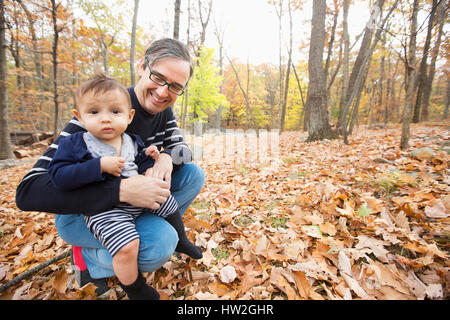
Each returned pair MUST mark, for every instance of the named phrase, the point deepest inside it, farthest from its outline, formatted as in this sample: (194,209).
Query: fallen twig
(32,271)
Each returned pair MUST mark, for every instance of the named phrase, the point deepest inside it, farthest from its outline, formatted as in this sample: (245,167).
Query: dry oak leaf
(279,281)
(437,211)
(348,211)
(377,247)
(344,266)
(60,282)
(328,228)
(313,269)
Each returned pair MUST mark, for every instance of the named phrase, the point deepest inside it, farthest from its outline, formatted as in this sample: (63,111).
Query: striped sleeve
(172,135)
(174,144)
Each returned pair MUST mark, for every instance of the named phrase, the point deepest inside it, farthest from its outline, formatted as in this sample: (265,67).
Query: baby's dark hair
(100,83)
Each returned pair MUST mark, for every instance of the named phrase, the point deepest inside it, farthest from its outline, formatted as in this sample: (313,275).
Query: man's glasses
(172,87)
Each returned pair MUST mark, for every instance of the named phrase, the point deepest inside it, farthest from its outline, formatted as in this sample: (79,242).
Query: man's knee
(153,254)
(64,226)
(197,175)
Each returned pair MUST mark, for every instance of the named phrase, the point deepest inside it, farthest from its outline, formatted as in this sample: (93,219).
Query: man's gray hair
(168,48)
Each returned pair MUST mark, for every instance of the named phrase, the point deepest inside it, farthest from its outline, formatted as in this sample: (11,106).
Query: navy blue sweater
(36,191)
(73,166)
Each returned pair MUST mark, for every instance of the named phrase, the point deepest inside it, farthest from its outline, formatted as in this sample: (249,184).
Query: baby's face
(106,114)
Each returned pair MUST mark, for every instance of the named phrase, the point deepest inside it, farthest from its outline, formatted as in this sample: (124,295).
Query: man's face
(153,97)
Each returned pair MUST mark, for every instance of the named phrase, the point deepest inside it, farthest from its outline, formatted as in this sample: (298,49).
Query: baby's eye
(93,112)
(116,111)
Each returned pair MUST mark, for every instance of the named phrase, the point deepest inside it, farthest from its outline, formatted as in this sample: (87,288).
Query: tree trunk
(203,22)
(176,20)
(133,43)
(104,49)
(55,67)
(332,37)
(288,71)
(357,82)
(319,127)
(423,69)
(410,72)
(447,100)
(442,9)
(381,82)
(220,33)
(356,73)
(186,90)
(5,140)
(354,113)
(363,52)
(280,56)
(346,60)
(301,94)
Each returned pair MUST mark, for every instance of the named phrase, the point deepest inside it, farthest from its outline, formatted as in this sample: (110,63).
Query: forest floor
(321,220)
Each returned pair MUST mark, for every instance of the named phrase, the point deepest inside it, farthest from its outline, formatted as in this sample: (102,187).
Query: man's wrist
(166,155)
(123,190)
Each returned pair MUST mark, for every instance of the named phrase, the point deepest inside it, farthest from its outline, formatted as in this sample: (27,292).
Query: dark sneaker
(82,276)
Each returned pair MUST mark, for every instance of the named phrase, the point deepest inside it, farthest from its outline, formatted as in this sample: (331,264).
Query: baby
(103,106)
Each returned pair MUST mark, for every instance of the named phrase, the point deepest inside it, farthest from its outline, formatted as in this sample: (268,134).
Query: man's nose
(163,91)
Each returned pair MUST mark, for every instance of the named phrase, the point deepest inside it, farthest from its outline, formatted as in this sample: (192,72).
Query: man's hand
(112,165)
(162,169)
(144,191)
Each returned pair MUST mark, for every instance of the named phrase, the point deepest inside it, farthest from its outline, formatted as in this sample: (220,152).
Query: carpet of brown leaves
(321,220)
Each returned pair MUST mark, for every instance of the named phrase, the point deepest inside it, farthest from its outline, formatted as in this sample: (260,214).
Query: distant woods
(396,70)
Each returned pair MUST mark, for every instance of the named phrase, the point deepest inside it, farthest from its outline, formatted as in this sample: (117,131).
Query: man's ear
(141,67)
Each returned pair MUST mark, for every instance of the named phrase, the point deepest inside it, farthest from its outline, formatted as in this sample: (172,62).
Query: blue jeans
(158,239)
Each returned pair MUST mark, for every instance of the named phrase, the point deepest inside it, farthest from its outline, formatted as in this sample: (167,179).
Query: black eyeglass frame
(163,82)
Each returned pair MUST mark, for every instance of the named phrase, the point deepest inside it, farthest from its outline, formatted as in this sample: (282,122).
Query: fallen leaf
(3,270)
(218,288)
(377,247)
(437,211)
(434,291)
(303,286)
(22,293)
(347,211)
(328,228)
(355,287)
(60,282)
(205,296)
(363,211)
(294,248)
(312,231)
(278,280)
(261,246)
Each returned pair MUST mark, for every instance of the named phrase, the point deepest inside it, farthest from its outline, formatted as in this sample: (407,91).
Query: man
(164,72)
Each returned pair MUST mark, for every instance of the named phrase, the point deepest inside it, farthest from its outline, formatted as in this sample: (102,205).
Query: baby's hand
(153,152)
(112,165)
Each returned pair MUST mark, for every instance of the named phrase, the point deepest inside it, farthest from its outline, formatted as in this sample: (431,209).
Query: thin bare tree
(176,20)
(133,43)
(5,139)
(410,67)
(319,127)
